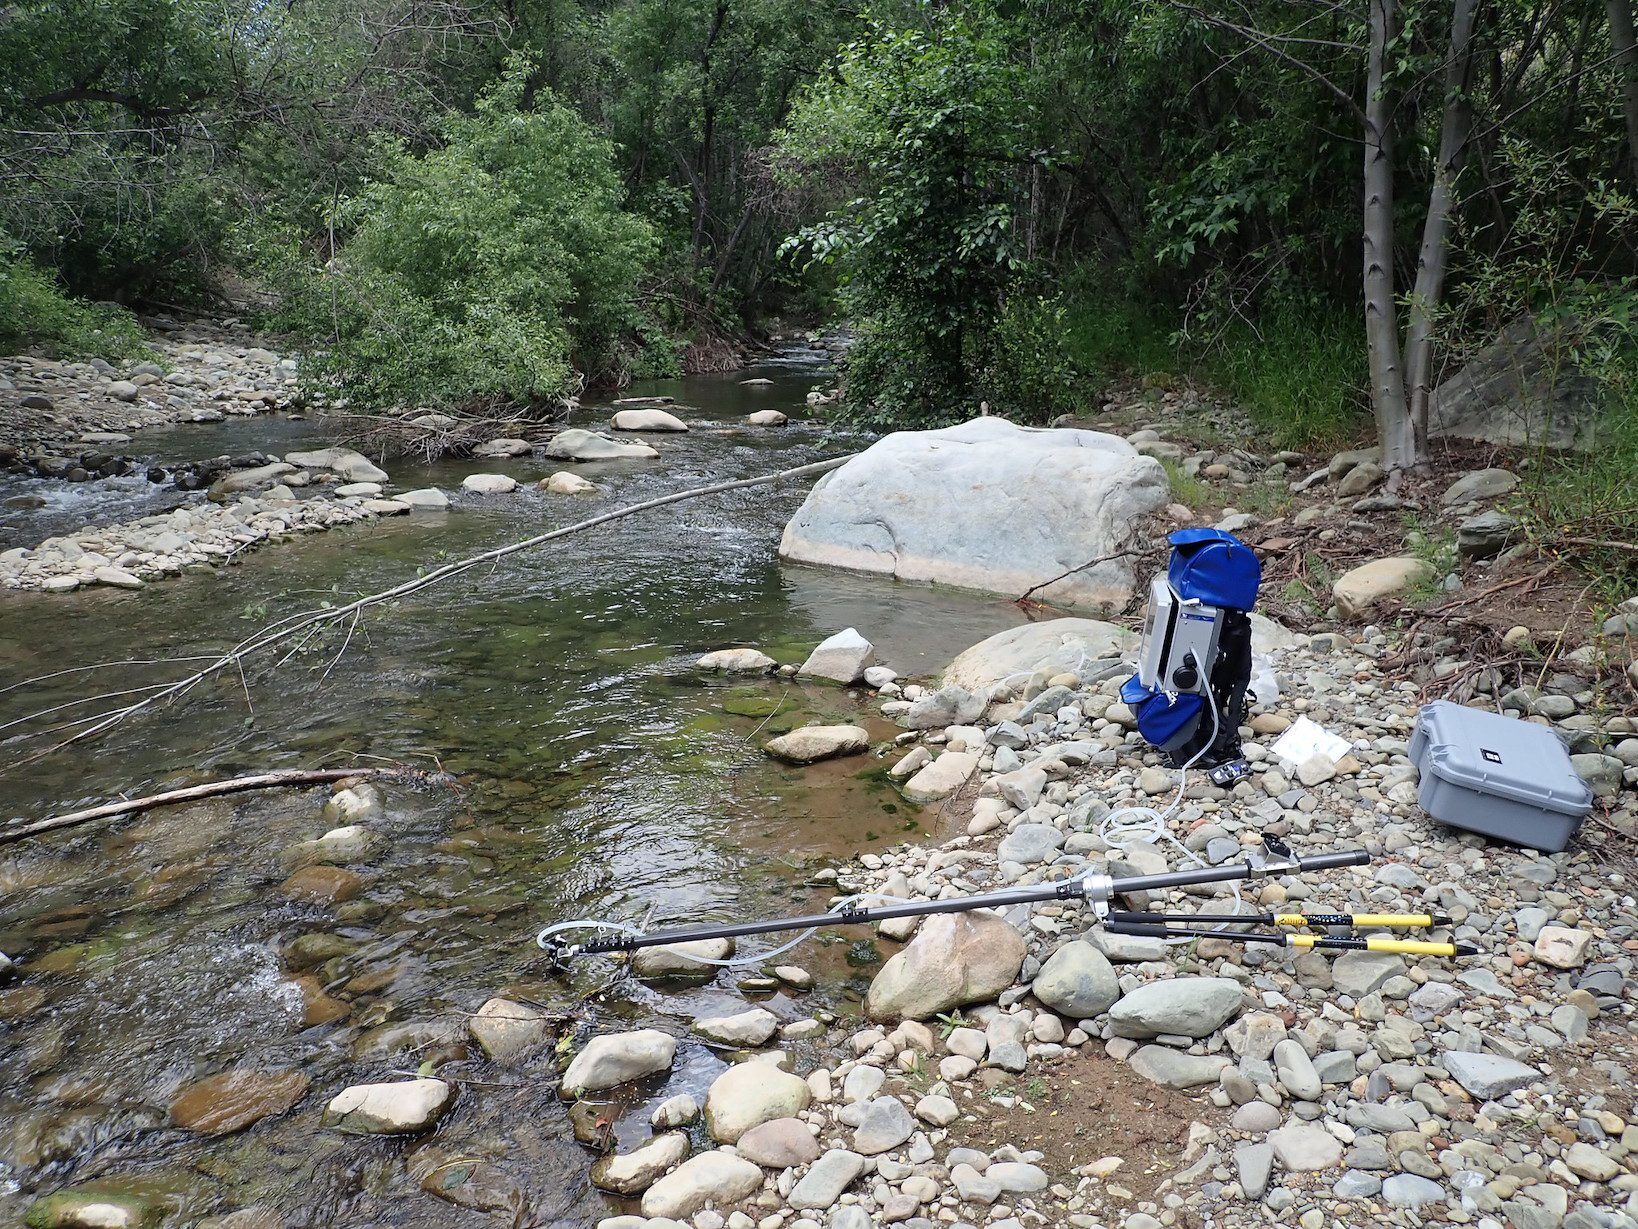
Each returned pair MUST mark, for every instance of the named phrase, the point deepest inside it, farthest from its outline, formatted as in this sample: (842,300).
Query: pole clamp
(1274,858)
(1097,891)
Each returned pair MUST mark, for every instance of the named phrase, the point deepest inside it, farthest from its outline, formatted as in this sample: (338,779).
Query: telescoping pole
(1097,889)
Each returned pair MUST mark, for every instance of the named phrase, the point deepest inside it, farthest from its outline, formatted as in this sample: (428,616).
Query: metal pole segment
(1062,889)
(1093,887)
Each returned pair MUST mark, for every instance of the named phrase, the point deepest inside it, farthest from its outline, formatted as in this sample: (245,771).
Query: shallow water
(597,774)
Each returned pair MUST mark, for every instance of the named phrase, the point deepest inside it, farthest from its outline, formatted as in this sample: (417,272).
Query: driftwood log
(282,779)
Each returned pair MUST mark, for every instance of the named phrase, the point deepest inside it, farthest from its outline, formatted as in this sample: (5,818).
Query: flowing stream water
(597,773)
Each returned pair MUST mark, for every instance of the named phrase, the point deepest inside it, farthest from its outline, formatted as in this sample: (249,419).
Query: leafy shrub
(35,312)
(1029,376)
(493,268)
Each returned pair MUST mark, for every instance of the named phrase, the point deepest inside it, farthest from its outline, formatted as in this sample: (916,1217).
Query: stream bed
(596,773)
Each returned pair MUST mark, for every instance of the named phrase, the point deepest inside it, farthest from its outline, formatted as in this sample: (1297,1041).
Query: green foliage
(490,269)
(1298,374)
(35,312)
(927,120)
(1027,374)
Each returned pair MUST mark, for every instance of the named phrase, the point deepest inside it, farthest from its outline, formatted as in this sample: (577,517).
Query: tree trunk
(1626,59)
(1393,421)
(1454,129)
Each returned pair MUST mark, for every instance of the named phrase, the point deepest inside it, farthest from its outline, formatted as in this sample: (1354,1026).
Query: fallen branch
(1090,563)
(281,779)
(312,620)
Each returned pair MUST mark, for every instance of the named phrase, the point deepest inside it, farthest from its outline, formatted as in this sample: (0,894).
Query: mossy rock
(751,706)
(83,1208)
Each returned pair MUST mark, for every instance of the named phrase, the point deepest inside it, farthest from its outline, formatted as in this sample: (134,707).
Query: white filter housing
(1179,645)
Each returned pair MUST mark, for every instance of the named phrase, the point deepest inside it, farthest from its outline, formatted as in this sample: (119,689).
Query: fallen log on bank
(281,779)
(307,623)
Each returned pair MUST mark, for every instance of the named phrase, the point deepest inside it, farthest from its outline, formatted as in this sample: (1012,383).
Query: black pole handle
(1330,861)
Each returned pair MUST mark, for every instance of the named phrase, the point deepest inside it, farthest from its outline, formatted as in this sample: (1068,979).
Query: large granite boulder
(1057,646)
(1524,388)
(986,505)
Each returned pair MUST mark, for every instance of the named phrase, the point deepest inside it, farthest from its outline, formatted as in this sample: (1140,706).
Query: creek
(597,773)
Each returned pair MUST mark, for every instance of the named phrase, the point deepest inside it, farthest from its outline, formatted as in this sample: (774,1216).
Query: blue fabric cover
(1214,567)
(1160,717)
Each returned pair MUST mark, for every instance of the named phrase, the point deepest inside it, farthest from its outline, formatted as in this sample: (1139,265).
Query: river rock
(884,1124)
(1030,844)
(1486,534)
(767,418)
(675,961)
(737,661)
(348,843)
(506,1030)
(1526,387)
(949,705)
(1562,947)
(710,1178)
(1378,583)
(403,1107)
(565,483)
(1177,1068)
(489,484)
(1057,646)
(618,1058)
(1305,1147)
(93,1206)
(1362,973)
(502,448)
(942,777)
(1077,981)
(241,480)
(749,1094)
(842,658)
(748,1028)
(576,444)
(823,1184)
(955,959)
(1488,1076)
(351,466)
(426,499)
(779,1144)
(1180,1006)
(634,1172)
(1411,1191)
(812,743)
(1297,1074)
(1479,484)
(922,505)
(646,420)
(233,1100)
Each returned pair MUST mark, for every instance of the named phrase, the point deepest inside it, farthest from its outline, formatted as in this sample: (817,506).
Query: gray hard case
(1497,775)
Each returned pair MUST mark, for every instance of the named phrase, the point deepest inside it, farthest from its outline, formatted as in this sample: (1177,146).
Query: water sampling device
(1188,695)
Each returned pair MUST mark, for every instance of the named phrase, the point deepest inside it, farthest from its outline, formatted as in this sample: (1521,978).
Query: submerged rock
(767,418)
(565,483)
(404,1107)
(233,1100)
(812,743)
(576,444)
(737,661)
(646,420)
(505,1030)
(618,1058)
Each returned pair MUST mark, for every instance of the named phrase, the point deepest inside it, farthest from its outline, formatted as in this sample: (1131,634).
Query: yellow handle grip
(1410,947)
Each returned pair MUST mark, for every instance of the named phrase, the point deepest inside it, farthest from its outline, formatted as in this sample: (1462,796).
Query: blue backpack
(1214,567)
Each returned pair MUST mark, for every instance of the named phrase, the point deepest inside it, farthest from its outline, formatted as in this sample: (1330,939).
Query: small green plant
(1436,548)
(949,1022)
(1186,490)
